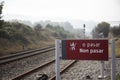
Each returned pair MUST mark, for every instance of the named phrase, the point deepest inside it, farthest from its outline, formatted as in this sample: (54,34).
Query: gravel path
(10,70)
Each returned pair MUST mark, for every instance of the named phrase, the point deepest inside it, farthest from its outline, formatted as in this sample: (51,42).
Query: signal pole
(84,30)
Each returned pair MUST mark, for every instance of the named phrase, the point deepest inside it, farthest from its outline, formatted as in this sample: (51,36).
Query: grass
(118,52)
(117,49)
(118,77)
(7,47)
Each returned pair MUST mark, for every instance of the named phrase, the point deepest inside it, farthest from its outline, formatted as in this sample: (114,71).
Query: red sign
(85,49)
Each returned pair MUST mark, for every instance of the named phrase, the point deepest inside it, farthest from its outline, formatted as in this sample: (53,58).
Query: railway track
(21,55)
(63,69)
(18,77)
(24,54)
(34,69)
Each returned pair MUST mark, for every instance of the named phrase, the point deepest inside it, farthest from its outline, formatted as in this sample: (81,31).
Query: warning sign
(85,49)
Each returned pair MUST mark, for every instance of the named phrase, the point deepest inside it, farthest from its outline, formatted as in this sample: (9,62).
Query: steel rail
(22,55)
(18,77)
(23,52)
(64,69)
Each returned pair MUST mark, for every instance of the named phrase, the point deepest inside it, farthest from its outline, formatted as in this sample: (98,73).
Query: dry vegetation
(15,37)
(118,48)
(7,47)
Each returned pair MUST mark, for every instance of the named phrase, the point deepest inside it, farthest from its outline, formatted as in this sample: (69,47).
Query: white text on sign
(91,45)
(91,51)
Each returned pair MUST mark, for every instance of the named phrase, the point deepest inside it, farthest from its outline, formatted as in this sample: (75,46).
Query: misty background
(71,12)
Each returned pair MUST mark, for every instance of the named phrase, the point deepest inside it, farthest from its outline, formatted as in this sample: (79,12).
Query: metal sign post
(57,63)
(113,64)
(102,63)
(102,75)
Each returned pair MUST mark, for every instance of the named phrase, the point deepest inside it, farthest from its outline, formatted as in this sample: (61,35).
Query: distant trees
(1,7)
(103,28)
(20,32)
(58,31)
(48,26)
(115,30)
(38,27)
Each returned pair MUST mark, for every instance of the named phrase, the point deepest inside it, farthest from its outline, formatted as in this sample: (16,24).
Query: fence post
(57,62)
(113,64)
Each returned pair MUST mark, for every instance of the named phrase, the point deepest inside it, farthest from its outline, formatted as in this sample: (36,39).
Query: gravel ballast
(79,71)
